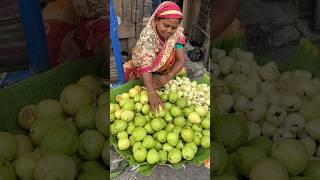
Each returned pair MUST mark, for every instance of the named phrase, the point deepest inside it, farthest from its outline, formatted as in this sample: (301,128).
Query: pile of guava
(171,134)
(65,138)
(266,122)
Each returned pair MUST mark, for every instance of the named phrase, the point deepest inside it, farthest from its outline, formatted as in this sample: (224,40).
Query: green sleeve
(178,46)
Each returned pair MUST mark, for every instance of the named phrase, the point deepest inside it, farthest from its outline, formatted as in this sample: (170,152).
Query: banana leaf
(144,168)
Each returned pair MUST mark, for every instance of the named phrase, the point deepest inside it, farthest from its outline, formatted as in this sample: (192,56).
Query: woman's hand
(161,81)
(155,102)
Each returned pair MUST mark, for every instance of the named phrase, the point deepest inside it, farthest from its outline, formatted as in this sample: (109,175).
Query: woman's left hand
(161,81)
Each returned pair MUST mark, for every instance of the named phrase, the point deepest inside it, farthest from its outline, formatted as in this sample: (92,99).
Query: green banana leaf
(235,40)
(146,169)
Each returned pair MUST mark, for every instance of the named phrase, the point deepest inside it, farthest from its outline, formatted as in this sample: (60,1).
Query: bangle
(153,92)
(170,74)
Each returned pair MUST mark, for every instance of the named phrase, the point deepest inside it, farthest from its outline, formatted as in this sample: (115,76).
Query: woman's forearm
(223,12)
(148,81)
(179,63)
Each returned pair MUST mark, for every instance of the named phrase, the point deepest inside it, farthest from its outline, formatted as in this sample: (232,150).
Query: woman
(76,29)
(158,55)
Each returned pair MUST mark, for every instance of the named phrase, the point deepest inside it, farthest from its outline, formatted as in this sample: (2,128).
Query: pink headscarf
(169,10)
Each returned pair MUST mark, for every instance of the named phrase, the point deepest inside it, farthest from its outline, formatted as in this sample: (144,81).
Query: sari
(152,53)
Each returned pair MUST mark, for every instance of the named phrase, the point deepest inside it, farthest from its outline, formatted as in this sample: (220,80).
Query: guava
(168,105)
(205,141)
(103,98)
(148,142)
(25,165)
(138,107)
(130,128)
(122,134)
(229,123)
(312,169)
(193,146)
(187,111)
(7,171)
(49,108)
(73,97)
(261,142)
(85,117)
(127,115)
(145,109)
(148,128)
(157,124)
(55,166)
(187,134)
(89,166)
(105,154)
(140,121)
(179,145)
(153,156)
(133,92)
(205,123)
(175,111)
(140,154)
(24,145)
(169,127)
(246,157)
(312,127)
(91,82)
(139,133)
(268,169)
(127,104)
(167,147)
(182,103)
(197,127)
(197,138)
(200,110)
(177,130)
(292,153)
(136,146)
(173,96)
(123,143)
(8,148)
(174,156)
(220,156)
(162,136)
(179,121)
(144,99)
(90,144)
(194,117)
(172,138)
(163,156)
(71,125)
(168,117)
(158,145)
(187,153)
(101,121)
(27,115)
(164,97)
(59,139)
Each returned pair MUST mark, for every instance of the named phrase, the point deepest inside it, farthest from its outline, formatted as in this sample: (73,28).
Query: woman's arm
(176,68)
(179,63)
(222,12)
(154,98)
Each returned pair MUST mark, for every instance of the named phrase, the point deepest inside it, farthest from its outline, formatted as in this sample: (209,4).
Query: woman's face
(167,27)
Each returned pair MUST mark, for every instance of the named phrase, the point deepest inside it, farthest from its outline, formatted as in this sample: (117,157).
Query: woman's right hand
(155,102)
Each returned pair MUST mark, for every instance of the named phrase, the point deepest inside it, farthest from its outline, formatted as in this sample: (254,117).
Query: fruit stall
(144,141)
(266,117)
